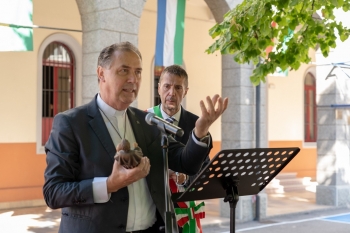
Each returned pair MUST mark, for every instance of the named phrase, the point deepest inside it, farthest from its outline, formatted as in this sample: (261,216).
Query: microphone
(152,119)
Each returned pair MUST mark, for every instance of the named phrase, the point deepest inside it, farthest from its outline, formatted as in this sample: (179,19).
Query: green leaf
(340,3)
(255,79)
(294,2)
(215,31)
(334,2)
(344,36)
(265,28)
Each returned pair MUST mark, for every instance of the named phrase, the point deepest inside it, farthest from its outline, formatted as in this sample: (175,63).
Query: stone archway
(104,23)
(111,21)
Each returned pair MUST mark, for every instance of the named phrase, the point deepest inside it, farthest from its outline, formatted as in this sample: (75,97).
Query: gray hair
(106,56)
(175,70)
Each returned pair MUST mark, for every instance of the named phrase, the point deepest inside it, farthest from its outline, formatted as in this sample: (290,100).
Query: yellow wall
(204,70)
(286,104)
(21,168)
(18,73)
(286,118)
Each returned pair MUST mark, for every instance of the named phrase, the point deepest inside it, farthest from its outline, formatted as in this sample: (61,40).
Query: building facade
(60,73)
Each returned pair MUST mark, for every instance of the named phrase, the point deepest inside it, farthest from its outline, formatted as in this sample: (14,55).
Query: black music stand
(234,173)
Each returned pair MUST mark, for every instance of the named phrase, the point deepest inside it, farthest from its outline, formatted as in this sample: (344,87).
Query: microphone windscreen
(149,117)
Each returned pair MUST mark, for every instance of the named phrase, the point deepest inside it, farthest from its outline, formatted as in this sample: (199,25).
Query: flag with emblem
(170,32)
(16,25)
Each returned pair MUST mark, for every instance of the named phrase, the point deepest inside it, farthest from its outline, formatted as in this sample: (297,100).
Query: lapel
(183,125)
(137,128)
(182,117)
(139,134)
(99,127)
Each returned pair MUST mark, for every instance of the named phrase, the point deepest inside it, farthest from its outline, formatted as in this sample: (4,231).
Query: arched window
(310,123)
(58,69)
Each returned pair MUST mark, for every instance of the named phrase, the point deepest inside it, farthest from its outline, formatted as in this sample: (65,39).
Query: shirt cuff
(99,190)
(203,144)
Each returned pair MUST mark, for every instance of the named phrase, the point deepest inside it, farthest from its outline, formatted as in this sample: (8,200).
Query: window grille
(57,84)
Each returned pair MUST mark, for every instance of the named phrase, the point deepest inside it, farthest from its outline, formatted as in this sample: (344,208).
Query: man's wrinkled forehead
(170,78)
(119,56)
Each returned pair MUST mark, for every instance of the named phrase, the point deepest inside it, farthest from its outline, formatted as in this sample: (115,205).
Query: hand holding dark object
(126,157)
(122,177)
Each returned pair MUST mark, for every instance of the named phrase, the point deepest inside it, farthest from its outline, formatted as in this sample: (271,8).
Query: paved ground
(287,213)
(30,220)
(320,221)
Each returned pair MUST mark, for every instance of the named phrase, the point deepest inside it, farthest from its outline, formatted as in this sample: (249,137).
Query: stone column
(238,127)
(105,23)
(333,138)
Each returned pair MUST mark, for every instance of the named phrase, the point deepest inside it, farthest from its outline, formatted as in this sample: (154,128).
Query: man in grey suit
(95,192)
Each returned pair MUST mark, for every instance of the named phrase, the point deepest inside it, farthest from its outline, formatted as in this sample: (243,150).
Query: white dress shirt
(142,210)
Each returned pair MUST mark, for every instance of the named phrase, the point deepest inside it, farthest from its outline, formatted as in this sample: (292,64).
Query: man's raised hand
(215,108)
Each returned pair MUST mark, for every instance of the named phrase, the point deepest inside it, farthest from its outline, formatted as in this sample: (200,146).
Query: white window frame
(76,49)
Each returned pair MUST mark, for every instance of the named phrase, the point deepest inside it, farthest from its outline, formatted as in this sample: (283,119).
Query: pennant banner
(12,36)
(170,32)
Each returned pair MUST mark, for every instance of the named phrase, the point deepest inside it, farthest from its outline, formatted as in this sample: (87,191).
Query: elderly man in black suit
(96,193)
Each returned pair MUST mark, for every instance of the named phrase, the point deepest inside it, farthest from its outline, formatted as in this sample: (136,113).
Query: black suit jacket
(80,148)
(187,122)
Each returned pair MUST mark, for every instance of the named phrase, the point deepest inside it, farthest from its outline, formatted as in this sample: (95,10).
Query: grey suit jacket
(80,148)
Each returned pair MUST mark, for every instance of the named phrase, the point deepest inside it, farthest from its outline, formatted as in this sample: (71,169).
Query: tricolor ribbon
(189,218)
(189,214)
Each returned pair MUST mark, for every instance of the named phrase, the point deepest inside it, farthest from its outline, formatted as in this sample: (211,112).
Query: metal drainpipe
(257,143)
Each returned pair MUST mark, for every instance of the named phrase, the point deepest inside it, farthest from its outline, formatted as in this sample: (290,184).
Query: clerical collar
(108,110)
(176,116)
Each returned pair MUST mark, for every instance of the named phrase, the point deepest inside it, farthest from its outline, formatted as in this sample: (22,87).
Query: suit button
(121,226)
(123,199)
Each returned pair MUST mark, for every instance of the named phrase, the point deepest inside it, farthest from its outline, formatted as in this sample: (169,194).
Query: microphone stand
(168,213)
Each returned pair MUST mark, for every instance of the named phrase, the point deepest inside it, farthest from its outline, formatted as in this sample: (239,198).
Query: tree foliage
(248,30)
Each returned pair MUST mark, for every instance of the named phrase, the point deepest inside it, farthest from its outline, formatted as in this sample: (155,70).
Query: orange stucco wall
(216,148)
(303,163)
(21,169)
(21,172)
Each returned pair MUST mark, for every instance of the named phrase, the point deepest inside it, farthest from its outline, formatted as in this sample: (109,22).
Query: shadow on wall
(333,136)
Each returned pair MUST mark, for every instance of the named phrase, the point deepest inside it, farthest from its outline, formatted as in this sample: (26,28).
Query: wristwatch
(204,139)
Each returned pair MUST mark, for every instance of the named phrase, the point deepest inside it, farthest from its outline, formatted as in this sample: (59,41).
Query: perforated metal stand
(234,173)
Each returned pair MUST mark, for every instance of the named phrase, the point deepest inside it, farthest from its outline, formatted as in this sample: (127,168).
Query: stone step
(294,188)
(286,175)
(289,182)
(294,181)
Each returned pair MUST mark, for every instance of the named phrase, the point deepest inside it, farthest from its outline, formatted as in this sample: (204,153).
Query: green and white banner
(16,25)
